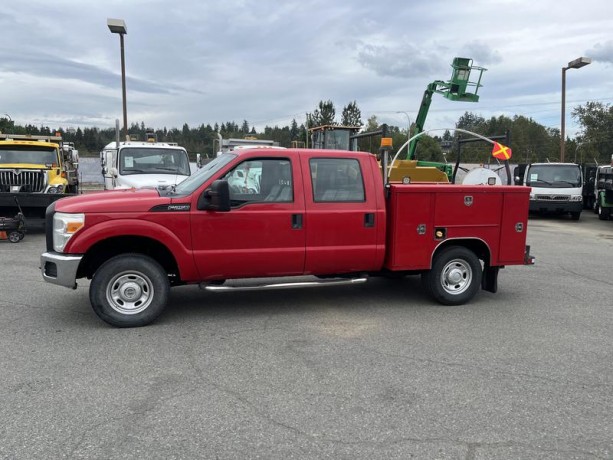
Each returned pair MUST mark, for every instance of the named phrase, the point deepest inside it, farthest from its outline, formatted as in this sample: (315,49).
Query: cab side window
(336,180)
(261,180)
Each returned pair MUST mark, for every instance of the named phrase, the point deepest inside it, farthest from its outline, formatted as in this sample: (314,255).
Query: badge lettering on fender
(468,201)
(178,207)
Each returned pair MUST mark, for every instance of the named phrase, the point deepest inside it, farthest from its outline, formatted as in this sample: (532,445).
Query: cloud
(602,52)
(401,61)
(482,53)
(265,61)
(50,66)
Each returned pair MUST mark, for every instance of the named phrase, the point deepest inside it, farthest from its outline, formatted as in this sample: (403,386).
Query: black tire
(455,276)
(575,215)
(14,236)
(129,290)
(604,213)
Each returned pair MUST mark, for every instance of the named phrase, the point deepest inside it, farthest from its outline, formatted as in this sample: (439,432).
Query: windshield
(205,173)
(554,176)
(134,160)
(28,155)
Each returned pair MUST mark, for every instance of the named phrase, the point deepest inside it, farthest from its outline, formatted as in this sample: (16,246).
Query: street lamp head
(117,26)
(579,62)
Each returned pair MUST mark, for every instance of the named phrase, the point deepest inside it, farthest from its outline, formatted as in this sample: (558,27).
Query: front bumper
(555,206)
(60,269)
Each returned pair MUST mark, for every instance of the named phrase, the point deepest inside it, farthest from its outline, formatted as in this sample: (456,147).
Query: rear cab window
(336,180)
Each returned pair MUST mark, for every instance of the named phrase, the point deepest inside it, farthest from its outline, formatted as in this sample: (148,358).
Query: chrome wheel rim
(456,276)
(129,293)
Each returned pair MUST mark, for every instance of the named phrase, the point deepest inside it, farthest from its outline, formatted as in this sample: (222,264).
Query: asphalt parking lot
(370,371)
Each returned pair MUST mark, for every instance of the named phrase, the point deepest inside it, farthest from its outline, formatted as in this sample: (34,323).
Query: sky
(268,62)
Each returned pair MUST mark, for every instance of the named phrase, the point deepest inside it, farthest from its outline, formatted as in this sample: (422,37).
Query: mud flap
(489,280)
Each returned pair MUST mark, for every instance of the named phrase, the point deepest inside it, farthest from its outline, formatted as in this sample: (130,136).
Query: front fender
(85,238)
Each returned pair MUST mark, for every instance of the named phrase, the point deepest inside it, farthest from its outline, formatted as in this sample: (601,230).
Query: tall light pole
(576,64)
(118,26)
(408,128)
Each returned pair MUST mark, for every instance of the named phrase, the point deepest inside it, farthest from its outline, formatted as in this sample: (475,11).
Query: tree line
(529,140)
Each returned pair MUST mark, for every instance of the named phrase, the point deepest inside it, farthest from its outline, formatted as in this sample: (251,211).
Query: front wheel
(129,290)
(455,276)
(575,215)
(15,237)
(604,213)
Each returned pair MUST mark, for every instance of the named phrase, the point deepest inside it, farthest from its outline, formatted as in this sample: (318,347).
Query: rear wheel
(15,237)
(455,276)
(129,290)
(604,213)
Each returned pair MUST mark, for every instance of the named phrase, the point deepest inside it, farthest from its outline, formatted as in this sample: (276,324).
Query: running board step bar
(287,285)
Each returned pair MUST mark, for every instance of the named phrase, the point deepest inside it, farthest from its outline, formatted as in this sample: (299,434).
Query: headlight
(576,198)
(64,226)
(532,196)
(54,189)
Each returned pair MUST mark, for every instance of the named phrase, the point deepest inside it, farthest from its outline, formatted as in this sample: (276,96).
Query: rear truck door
(345,226)
(263,234)
(514,226)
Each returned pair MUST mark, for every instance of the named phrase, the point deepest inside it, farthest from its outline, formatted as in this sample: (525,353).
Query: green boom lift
(456,89)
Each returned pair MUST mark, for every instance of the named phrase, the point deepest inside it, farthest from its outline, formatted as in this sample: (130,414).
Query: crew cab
(323,213)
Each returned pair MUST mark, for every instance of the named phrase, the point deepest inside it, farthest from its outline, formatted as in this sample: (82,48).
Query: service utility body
(322,213)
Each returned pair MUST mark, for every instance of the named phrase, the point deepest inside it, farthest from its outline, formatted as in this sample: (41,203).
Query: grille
(28,181)
(553,197)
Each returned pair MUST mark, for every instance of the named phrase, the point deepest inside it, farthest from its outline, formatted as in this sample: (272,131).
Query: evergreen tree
(245,127)
(351,116)
(323,115)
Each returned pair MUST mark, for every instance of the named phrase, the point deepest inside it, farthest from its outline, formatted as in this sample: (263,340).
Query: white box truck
(556,188)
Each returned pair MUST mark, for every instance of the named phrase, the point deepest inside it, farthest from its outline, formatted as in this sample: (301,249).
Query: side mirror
(114,172)
(518,180)
(216,197)
(198,161)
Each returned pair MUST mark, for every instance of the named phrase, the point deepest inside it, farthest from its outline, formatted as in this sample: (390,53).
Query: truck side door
(345,225)
(109,163)
(263,233)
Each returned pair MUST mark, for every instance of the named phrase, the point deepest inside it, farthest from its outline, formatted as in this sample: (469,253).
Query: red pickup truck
(304,212)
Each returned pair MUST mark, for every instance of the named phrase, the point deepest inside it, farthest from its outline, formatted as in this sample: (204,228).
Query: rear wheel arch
(478,246)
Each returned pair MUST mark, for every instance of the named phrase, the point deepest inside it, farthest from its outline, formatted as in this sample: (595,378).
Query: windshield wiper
(162,168)
(572,184)
(541,180)
(133,171)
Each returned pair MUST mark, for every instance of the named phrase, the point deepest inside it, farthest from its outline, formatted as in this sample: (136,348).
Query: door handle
(369,219)
(296,221)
